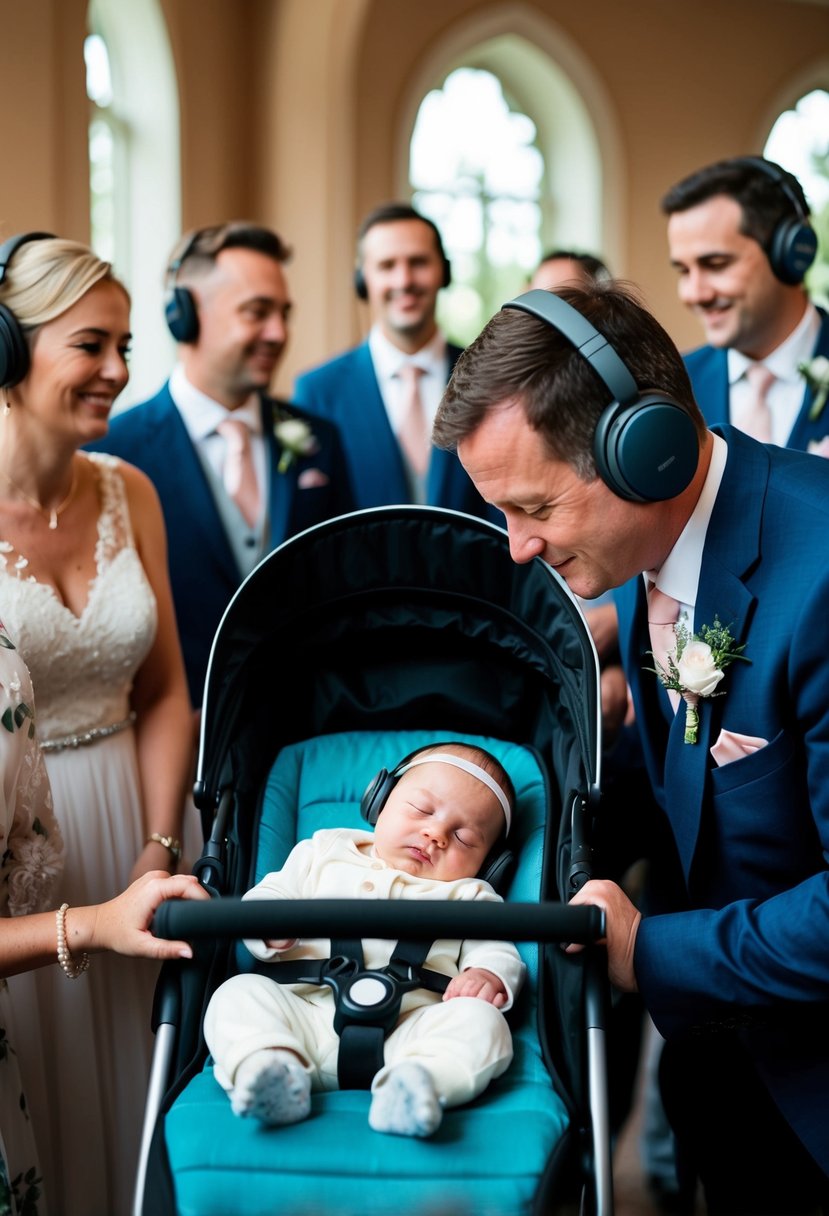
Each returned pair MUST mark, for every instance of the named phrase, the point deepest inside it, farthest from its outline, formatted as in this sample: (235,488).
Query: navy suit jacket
(345,390)
(203,571)
(708,368)
(751,945)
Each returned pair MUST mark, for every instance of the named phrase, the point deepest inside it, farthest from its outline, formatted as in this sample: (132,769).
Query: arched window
(476,170)
(135,196)
(799,141)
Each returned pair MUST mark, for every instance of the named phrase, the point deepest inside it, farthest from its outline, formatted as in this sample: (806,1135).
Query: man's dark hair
(393,213)
(763,198)
(594,267)
(197,250)
(519,357)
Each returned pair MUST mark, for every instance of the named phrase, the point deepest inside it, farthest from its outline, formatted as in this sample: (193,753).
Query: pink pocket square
(733,746)
(312,479)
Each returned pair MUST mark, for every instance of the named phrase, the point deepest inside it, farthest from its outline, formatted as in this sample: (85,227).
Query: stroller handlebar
(234,917)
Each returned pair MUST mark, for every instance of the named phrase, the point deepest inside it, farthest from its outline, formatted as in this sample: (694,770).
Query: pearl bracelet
(69,965)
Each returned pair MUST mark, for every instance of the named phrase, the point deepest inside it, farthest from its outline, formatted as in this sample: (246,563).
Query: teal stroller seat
(348,648)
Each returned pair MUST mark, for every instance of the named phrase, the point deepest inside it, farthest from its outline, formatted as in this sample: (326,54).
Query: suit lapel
(178,474)
(711,388)
(384,481)
(731,549)
(804,430)
(281,486)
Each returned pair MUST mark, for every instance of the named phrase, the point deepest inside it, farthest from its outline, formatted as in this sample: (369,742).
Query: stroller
(348,647)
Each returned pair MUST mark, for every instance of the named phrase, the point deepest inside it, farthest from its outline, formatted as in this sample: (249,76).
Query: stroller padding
(488,1157)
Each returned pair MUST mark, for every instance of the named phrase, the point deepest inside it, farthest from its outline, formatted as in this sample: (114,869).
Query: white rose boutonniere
(295,438)
(697,666)
(816,375)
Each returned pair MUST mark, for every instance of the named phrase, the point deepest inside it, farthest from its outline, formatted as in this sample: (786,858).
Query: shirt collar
(678,575)
(388,358)
(785,358)
(202,414)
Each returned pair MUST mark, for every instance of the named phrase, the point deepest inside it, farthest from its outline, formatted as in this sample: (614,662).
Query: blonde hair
(46,277)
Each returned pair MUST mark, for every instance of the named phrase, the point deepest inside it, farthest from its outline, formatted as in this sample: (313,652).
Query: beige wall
(293,112)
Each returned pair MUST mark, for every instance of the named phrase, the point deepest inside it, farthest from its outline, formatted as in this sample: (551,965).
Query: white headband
(468,767)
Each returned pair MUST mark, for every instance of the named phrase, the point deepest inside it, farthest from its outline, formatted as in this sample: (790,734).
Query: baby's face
(439,822)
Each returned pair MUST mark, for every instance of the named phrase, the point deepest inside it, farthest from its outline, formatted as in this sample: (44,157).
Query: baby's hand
(478,983)
(282,943)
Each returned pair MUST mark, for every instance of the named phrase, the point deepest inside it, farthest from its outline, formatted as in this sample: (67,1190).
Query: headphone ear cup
(497,867)
(376,795)
(646,450)
(360,284)
(447,271)
(14,350)
(181,314)
(791,251)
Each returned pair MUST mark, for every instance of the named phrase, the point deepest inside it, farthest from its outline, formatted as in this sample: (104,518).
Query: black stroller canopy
(489,646)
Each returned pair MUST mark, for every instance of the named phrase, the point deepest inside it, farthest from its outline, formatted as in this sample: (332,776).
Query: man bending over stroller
(445,810)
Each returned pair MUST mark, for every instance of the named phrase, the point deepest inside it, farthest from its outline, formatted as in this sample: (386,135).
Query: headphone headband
(468,766)
(591,345)
(779,176)
(10,247)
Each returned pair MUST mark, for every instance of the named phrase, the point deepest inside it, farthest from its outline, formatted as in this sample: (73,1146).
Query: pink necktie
(755,419)
(663,613)
(414,434)
(239,473)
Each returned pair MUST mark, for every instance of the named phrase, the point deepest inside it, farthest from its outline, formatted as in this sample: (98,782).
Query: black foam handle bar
(403,919)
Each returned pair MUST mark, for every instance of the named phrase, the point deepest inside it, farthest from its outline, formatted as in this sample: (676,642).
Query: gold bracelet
(73,967)
(170,843)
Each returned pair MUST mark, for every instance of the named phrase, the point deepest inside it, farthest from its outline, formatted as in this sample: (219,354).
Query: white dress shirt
(388,359)
(678,576)
(785,396)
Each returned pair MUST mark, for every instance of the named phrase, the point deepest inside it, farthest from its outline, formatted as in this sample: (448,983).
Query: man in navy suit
(401,267)
(734,968)
(227,306)
(741,241)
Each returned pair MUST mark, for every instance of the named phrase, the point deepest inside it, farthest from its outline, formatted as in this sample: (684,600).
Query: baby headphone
(180,310)
(14,350)
(645,445)
(499,860)
(792,246)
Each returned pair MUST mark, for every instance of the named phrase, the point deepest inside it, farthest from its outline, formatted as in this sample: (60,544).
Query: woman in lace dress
(85,594)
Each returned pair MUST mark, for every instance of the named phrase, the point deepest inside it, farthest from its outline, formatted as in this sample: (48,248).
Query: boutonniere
(816,375)
(696,667)
(295,438)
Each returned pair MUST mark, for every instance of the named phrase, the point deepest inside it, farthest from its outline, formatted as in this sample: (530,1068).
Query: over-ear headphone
(180,310)
(792,246)
(497,863)
(390,214)
(645,445)
(14,350)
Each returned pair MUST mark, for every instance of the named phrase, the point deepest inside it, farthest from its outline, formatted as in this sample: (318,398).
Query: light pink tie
(663,614)
(755,419)
(414,434)
(239,473)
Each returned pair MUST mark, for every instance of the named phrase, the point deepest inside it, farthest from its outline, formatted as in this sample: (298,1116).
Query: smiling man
(237,471)
(741,241)
(383,394)
(573,413)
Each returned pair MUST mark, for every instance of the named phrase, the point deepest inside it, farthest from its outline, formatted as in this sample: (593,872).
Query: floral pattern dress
(31,859)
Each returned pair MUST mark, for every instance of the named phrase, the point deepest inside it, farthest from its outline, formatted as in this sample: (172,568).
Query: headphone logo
(645,445)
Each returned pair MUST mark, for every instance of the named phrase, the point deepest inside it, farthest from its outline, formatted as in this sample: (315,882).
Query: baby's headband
(474,770)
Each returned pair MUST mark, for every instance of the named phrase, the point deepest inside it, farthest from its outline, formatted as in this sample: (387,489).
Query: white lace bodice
(82,667)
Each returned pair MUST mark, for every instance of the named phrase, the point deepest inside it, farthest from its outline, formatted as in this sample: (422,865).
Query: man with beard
(384,393)
(236,470)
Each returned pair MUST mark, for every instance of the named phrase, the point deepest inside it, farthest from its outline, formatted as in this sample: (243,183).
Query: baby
(273,1043)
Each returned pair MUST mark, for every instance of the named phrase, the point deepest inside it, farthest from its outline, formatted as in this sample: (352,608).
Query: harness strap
(360,1057)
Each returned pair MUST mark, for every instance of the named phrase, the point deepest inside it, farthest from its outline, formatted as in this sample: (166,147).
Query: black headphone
(180,310)
(645,445)
(792,246)
(397,213)
(499,860)
(14,349)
